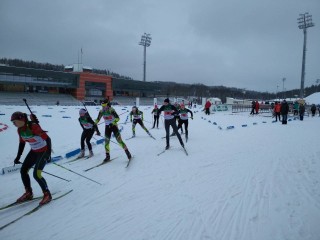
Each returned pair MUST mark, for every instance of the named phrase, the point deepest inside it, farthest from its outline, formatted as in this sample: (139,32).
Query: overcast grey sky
(250,44)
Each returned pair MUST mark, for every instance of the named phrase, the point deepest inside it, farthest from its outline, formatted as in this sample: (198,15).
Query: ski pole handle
(25,101)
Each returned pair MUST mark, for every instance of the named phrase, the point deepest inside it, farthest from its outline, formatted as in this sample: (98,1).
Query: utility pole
(145,42)
(304,21)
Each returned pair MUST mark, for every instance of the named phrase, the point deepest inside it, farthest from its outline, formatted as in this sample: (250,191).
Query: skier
(177,117)
(38,156)
(137,118)
(155,116)
(111,118)
(89,127)
(184,118)
(169,116)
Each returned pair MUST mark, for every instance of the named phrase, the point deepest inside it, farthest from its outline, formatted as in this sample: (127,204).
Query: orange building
(93,85)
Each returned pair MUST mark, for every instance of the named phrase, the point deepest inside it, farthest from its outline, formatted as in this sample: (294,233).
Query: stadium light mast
(145,42)
(304,22)
(283,94)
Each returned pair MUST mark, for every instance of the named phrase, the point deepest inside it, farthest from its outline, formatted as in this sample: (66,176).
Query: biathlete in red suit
(39,154)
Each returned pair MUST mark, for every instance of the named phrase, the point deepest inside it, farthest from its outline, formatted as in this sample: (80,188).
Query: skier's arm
(20,151)
(176,112)
(80,124)
(160,109)
(115,114)
(99,117)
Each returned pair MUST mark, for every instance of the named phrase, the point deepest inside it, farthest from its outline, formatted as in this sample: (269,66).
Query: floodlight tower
(145,42)
(283,94)
(304,21)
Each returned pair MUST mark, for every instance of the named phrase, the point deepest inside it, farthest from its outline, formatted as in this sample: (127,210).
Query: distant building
(76,80)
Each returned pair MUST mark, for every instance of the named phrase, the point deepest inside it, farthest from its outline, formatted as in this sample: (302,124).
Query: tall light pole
(304,21)
(283,95)
(318,81)
(145,42)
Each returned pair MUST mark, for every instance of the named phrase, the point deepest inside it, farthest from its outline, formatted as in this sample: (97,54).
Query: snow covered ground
(260,182)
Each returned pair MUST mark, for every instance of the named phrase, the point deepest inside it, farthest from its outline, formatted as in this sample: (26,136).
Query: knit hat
(167,100)
(105,103)
(82,112)
(18,116)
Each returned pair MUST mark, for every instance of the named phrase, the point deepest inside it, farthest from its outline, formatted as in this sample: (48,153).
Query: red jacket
(277,107)
(208,104)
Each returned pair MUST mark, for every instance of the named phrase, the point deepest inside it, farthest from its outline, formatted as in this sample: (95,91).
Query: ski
(152,137)
(130,137)
(172,135)
(78,158)
(33,210)
(19,203)
(22,203)
(185,151)
(162,152)
(100,164)
(129,161)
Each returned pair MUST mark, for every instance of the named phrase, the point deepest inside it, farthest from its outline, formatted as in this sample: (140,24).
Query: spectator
(207,107)
(301,111)
(257,106)
(295,108)
(277,110)
(253,107)
(313,110)
(284,111)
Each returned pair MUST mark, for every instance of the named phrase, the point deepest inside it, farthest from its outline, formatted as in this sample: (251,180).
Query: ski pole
(56,176)
(123,113)
(25,101)
(76,173)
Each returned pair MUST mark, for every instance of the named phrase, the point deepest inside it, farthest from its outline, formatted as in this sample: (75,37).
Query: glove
(16,160)
(48,156)
(191,118)
(98,133)
(34,118)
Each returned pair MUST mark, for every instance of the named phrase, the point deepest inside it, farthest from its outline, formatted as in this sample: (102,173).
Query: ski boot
(26,196)
(81,155)
(90,154)
(46,198)
(107,157)
(167,147)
